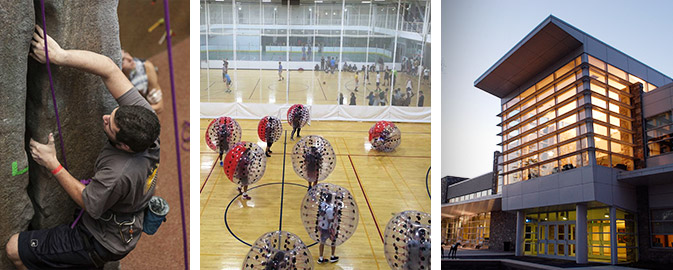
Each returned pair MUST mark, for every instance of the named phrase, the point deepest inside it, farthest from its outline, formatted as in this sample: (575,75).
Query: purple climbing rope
(51,84)
(175,129)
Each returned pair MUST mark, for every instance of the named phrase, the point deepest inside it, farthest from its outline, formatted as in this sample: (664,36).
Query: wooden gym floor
(306,87)
(382,184)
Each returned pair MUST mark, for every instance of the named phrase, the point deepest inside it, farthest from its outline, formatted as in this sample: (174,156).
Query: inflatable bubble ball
(329,214)
(278,250)
(269,129)
(222,134)
(313,158)
(385,136)
(245,163)
(407,241)
(298,115)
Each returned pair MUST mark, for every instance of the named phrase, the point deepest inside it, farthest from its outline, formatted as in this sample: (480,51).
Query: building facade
(586,139)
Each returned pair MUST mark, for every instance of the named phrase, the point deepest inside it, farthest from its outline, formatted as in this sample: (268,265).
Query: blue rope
(427,187)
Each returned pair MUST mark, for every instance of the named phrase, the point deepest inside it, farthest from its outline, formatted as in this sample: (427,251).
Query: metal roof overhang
(469,208)
(648,176)
(544,46)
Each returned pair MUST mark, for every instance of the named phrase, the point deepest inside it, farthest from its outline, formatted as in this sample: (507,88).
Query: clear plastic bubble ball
(385,136)
(407,241)
(245,163)
(298,115)
(329,214)
(313,158)
(278,250)
(222,134)
(269,129)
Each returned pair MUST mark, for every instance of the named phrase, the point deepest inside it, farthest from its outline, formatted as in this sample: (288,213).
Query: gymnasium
(258,60)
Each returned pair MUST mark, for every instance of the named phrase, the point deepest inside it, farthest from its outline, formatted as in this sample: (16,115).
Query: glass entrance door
(557,239)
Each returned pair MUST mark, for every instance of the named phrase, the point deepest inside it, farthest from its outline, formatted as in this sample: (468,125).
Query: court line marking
(407,185)
(353,155)
(393,182)
(321,89)
(253,89)
(364,226)
(211,84)
(209,194)
(376,223)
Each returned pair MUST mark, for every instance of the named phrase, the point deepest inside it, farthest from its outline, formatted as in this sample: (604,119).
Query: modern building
(586,142)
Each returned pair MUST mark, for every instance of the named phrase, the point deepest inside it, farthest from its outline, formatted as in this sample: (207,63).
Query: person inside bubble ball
(242,172)
(418,248)
(277,261)
(313,159)
(326,215)
(296,122)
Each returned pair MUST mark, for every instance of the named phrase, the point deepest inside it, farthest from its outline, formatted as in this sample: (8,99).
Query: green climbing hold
(15,169)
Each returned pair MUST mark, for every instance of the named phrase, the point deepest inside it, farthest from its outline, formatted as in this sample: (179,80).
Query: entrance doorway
(557,239)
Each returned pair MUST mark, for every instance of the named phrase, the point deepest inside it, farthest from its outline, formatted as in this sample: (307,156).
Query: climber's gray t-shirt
(123,184)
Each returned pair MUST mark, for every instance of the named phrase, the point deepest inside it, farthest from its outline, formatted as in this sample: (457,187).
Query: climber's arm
(91,62)
(45,155)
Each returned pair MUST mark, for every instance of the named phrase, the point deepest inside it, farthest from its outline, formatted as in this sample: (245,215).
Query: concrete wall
(503,229)
(584,184)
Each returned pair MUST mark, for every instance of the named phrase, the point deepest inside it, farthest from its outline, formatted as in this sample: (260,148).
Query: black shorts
(62,248)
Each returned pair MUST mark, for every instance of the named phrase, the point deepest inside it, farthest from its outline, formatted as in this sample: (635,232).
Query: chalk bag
(155,214)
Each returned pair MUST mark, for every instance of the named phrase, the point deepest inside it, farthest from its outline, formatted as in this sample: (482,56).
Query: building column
(518,242)
(581,249)
(613,234)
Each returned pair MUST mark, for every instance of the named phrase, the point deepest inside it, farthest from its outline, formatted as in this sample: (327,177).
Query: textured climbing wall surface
(82,99)
(16,25)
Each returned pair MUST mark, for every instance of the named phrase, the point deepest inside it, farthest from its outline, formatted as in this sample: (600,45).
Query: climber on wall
(143,75)
(123,183)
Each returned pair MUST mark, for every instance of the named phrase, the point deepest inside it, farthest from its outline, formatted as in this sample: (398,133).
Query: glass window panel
(622,163)
(545,106)
(565,69)
(529,137)
(598,63)
(621,149)
(529,149)
(548,168)
(620,135)
(565,95)
(659,120)
(528,126)
(602,159)
(663,214)
(527,115)
(513,112)
(567,121)
(597,75)
(613,95)
(620,122)
(546,117)
(570,162)
(527,93)
(651,87)
(512,134)
(601,143)
(547,142)
(597,88)
(527,104)
(513,144)
(613,82)
(566,108)
(548,129)
(598,102)
(544,82)
(512,123)
(600,129)
(599,115)
(617,72)
(565,82)
(513,101)
(547,154)
(569,148)
(567,135)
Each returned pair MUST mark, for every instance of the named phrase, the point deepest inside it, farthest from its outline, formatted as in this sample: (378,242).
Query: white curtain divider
(318,112)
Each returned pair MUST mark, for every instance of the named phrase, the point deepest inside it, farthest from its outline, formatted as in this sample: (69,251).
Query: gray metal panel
(617,58)
(658,101)
(470,186)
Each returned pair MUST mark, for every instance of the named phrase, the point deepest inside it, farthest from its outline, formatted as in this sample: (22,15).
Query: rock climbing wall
(27,110)
(82,100)
(16,25)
